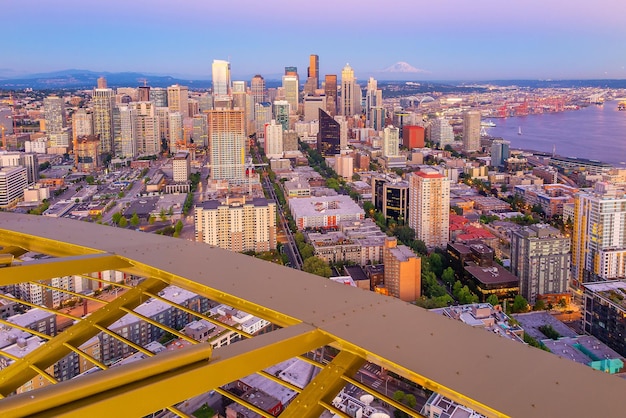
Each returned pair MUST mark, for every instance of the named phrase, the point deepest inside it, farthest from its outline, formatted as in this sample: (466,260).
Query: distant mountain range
(85,79)
(74,79)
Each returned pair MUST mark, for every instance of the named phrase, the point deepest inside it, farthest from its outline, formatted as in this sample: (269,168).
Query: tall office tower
(330,89)
(329,135)
(177,99)
(177,139)
(413,136)
(373,99)
(311,106)
(390,195)
(540,257)
(13,181)
(181,166)
(87,153)
(205,102)
(499,152)
(441,132)
(102,83)
(200,131)
(262,116)
(257,87)
(273,140)
(125,131)
(429,207)
(143,94)
(343,132)
(471,131)
(391,141)
(313,71)
(599,238)
(292,92)
(293,71)
(158,95)
(378,117)
(194,107)
(221,82)
(227,141)
(403,275)
(237,224)
(239,95)
(82,123)
(147,134)
(54,114)
(281,113)
(103,103)
(350,93)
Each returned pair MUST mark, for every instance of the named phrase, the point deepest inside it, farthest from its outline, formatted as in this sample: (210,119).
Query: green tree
(316,265)
(436,264)
(539,305)
(356,177)
(520,304)
(493,300)
(123,222)
(162,214)
(134,220)
(116,218)
(405,234)
(177,228)
(306,251)
(410,401)
(419,246)
(151,219)
(399,396)
(448,276)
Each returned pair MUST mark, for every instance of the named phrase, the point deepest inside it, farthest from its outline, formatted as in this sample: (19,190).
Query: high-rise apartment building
(329,135)
(429,207)
(471,131)
(146,124)
(13,181)
(54,114)
(377,118)
(227,143)
(273,140)
(330,90)
(257,88)
(103,103)
(262,116)
(391,141)
(281,113)
(239,95)
(441,132)
(221,82)
(177,99)
(403,276)
(292,92)
(390,196)
(200,131)
(350,93)
(237,224)
(599,236)
(22,159)
(540,257)
(82,123)
(499,152)
(176,131)
(87,153)
(181,166)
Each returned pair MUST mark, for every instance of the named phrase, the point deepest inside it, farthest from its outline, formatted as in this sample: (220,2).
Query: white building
(391,141)
(13,182)
(324,211)
(429,207)
(273,140)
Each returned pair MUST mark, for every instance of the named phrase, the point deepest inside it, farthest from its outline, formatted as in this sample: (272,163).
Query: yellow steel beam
(12,249)
(145,386)
(21,371)
(324,387)
(48,268)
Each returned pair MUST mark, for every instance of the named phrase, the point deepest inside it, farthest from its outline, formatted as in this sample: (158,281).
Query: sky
(445,39)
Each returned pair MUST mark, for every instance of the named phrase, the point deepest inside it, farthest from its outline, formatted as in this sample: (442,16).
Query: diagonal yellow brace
(324,387)
(151,384)
(55,349)
(56,267)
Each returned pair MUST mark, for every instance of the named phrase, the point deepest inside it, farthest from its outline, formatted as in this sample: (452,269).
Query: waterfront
(594,132)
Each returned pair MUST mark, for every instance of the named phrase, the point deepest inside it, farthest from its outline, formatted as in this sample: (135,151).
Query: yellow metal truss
(492,375)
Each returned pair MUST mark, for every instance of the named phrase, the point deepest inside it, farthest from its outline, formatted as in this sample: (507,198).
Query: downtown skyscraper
(221,83)
(471,131)
(350,93)
(227,143)
(103,103)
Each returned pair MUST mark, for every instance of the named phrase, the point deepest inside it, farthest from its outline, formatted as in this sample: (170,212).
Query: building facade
(402,271)
(429,207)
(471,131)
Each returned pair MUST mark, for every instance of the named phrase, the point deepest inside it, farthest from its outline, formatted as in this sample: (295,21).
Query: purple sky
(447,39)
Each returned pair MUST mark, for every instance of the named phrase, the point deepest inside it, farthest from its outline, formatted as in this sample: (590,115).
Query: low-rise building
(324,212)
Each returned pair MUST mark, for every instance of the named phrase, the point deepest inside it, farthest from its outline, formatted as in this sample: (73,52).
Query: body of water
(594,132)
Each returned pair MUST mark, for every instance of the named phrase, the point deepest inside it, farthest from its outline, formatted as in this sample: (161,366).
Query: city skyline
(492,39)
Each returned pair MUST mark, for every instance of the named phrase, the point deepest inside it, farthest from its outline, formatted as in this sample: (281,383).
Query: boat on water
(519,131)
(488,124)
